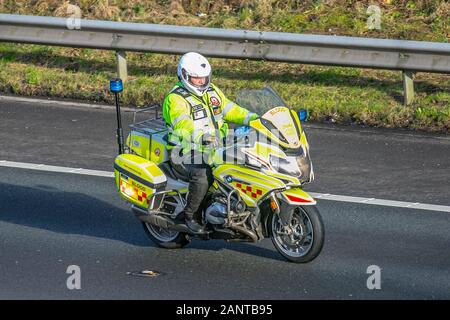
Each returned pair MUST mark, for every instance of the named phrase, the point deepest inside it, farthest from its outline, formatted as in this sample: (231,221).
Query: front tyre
(165,238)
(302,240)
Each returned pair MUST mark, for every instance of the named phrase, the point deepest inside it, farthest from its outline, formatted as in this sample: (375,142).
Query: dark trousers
(200,179)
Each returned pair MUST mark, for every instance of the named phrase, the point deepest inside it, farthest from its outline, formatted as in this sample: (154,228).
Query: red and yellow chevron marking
(133,192)
(249,190)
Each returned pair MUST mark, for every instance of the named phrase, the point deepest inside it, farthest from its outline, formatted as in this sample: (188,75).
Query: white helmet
(194,65)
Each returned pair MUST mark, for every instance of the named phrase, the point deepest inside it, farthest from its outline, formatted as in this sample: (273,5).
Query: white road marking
(44,167)
(325,196)
(62,103)
(381,202)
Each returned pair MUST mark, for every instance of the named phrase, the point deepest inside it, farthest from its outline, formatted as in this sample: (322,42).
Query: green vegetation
(342,95)
(400,19)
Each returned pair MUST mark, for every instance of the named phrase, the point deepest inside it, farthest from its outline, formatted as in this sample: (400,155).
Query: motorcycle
(259,172)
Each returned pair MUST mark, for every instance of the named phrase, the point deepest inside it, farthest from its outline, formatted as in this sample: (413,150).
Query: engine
(217,214)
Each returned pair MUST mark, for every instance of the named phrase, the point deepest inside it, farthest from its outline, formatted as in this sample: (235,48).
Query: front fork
(283,204)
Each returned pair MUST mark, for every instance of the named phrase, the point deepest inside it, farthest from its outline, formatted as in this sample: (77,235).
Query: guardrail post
(408,87)
(121,60)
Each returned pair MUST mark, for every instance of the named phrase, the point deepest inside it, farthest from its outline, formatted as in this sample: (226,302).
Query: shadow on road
(241,247)
(45,207)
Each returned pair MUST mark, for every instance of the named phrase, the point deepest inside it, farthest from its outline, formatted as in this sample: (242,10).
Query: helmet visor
(199,82)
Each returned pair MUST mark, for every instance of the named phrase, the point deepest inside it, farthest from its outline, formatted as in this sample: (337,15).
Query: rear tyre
(303,240)
(164,238)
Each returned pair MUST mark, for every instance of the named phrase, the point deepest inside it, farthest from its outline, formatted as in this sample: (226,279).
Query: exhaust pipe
(159,221)
(245,231)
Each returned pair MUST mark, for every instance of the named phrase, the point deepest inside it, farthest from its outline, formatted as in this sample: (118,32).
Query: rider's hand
(209,140)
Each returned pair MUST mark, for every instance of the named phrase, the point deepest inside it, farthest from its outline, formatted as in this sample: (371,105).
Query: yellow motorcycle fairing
(254,186)
(296,196)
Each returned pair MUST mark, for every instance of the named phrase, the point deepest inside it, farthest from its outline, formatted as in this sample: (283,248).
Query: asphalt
(49,221)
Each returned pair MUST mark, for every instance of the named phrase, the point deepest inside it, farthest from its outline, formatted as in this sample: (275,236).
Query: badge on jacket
(214,101)
(200,114)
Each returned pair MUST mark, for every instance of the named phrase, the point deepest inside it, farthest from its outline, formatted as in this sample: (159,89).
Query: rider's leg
(200,179)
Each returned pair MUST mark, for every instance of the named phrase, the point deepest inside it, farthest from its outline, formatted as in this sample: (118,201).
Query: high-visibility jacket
(189,117)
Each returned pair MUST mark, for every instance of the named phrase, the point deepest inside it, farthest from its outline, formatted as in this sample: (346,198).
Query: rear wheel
(165,238)
(302,240)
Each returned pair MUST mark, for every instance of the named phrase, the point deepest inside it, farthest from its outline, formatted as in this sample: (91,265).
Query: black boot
(193,225)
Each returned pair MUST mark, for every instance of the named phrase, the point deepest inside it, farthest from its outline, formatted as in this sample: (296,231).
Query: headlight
(286,165)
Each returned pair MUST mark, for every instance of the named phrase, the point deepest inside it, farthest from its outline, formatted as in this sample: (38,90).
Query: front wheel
(302,240)
(165,238)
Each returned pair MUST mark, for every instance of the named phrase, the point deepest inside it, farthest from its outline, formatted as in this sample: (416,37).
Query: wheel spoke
(161,234)
(299,242)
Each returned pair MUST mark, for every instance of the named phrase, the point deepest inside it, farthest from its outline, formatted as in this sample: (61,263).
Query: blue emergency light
(302,114)
(116,85)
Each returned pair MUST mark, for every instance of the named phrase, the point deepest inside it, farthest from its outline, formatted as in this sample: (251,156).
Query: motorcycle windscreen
(280,122)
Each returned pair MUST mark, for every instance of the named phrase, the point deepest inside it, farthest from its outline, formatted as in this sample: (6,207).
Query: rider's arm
(232,112)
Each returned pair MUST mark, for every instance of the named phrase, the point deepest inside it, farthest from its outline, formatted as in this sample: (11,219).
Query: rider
(196,113)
